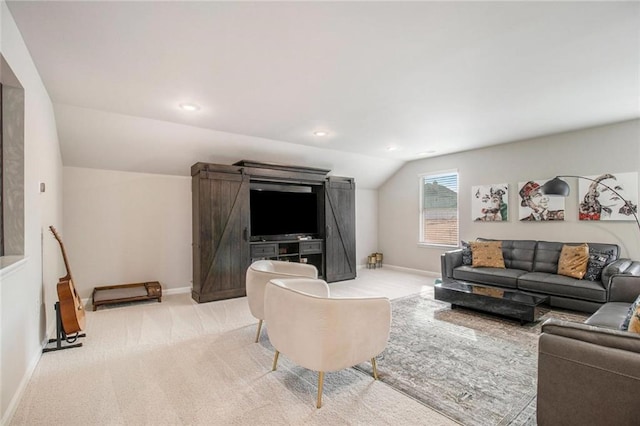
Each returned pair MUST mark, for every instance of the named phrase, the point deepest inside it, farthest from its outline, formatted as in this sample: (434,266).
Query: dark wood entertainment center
(224,244)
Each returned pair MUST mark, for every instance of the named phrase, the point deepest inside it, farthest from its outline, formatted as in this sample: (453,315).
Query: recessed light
(189,107)
(321,133)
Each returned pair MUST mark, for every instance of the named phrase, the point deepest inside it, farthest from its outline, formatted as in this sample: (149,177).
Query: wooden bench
(110,294)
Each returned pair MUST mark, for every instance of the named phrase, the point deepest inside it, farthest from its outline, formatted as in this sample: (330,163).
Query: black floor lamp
(557,186)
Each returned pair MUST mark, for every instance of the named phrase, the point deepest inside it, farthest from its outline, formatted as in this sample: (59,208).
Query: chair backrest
(322,333)
(261,271)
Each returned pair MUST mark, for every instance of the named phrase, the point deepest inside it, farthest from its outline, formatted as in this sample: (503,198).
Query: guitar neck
(64,255)
(66,265)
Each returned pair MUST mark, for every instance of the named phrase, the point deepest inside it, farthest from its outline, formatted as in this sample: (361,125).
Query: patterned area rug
(476,368)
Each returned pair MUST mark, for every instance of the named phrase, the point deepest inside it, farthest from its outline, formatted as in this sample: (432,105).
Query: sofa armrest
(448,261)
(617,278)
(618,267)
(624,288)
(582,369)
(601,336)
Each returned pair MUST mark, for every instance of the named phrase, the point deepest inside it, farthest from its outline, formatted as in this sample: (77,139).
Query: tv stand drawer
(264,250)
(307,247)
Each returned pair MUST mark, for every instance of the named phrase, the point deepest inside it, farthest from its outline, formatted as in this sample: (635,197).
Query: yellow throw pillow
(487,253)
(634,324)
(573,261)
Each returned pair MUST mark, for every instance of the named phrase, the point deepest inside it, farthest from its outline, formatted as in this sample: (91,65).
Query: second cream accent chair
(322,333)
(258,275)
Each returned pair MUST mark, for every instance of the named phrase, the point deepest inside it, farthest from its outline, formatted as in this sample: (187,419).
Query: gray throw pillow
(467,254)
(597,261)
(625,324)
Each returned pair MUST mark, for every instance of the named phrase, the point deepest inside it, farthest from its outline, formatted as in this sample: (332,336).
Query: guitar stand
(61,335)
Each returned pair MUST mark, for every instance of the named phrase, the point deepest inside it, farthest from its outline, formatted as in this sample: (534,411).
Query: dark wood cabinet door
(340,229)
(220,235)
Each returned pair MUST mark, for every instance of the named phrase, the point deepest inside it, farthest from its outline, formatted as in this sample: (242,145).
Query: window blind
(440,209)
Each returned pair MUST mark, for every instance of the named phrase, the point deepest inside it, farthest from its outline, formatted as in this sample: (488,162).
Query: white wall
(366,224)
(612,148)
(124,227)
(27,290)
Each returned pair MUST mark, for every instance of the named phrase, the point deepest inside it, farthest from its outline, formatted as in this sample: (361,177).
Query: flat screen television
(287,212)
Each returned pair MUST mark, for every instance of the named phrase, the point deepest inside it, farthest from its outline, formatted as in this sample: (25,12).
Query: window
(439,209)
(1,185)
(11,163)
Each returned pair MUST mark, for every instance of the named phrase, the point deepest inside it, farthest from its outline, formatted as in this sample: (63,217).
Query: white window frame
(421,236)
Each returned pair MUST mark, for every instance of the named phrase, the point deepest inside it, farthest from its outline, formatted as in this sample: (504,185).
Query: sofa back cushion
(517,254)
(543,256)
(547,255)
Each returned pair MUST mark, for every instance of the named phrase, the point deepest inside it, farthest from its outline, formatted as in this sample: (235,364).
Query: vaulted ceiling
(389,82)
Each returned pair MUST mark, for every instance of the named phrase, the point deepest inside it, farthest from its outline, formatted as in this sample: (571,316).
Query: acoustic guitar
(71,309)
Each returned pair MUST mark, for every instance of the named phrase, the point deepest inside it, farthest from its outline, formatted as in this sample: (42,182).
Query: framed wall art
(608,196)
(489,203)
(536,206)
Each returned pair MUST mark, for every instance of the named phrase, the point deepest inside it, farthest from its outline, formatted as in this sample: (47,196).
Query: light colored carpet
(183,363)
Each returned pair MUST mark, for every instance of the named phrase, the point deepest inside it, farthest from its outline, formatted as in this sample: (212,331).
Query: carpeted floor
(476,368)
(183,363)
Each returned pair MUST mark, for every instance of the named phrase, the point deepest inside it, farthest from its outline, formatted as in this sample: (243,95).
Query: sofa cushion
(491,276)
(610,315)
(487,254)
(560,285)
(547,255)
(517,254)
(573,260)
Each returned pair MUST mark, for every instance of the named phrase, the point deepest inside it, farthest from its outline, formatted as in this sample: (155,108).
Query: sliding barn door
(220,235)
(340,231)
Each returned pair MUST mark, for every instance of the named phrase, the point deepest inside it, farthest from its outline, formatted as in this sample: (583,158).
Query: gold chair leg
(275,361)
(258,333)
(320,383)
(375,368)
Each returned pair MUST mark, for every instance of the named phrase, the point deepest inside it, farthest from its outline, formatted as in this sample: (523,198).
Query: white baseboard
(414,271)
(408,270)
(179,290)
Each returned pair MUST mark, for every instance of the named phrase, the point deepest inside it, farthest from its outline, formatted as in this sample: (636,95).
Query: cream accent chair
(258,275)
(322,333)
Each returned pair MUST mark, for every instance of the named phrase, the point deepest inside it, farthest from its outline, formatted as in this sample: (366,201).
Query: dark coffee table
(509,303)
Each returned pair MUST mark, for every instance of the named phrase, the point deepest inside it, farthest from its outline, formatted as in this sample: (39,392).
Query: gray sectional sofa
(583,367)
(531,266)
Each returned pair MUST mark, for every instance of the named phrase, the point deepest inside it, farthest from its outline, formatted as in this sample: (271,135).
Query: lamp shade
(555,186)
